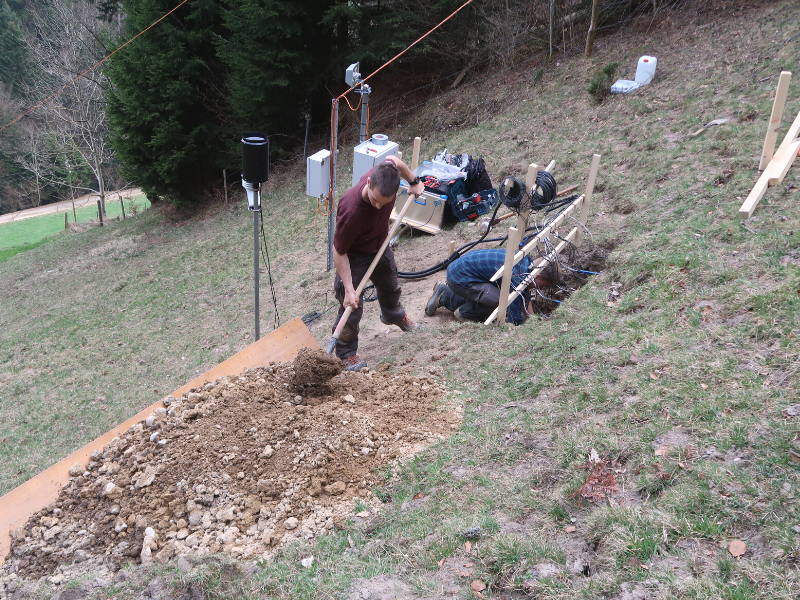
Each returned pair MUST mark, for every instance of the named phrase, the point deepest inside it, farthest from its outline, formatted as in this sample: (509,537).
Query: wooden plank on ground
(17,506)
(752,200)
(781,163)
(775,119)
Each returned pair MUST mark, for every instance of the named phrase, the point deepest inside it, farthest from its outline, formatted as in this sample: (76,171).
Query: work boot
(433,302)
(406,324)
(353,363)
(459,317)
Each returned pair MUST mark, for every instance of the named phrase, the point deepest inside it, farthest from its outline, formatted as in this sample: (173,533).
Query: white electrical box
(371,153)
(318,174)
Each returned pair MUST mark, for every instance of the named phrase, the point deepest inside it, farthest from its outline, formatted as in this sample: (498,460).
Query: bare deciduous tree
(68,40)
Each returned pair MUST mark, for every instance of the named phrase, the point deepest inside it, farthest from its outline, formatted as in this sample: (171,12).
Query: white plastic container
(645,71)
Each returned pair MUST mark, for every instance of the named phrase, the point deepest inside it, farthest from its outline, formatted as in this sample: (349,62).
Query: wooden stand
(574,236)
(775,165)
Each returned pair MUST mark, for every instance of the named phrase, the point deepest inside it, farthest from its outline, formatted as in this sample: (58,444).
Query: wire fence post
(305,143)
(122,205)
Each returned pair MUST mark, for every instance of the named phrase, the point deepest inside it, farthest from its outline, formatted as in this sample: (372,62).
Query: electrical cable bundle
(547,183)
(512,194)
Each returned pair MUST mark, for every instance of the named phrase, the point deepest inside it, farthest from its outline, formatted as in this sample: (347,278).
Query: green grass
(28,233)
(702,343)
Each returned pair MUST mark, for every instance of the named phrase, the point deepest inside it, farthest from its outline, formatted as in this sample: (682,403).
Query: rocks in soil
(246,467)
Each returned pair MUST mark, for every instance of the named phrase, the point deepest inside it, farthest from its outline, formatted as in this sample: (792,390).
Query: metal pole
(334,144)
(255,265)
(305,143)
(365,90)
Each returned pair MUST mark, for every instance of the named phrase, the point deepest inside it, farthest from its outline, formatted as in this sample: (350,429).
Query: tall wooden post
(592,27)
(415,153)
(775,119)
(508,271)
(587,198)
(225,181)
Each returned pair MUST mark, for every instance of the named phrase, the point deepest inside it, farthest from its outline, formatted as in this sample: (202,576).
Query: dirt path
(49,209)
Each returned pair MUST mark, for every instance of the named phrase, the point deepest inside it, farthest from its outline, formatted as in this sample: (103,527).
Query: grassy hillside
(25,234)
(679,382)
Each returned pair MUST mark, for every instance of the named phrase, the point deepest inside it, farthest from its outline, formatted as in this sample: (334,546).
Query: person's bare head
(547,277)
(382,185)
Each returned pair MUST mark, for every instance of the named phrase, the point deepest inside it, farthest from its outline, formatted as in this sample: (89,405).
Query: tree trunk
(592,27)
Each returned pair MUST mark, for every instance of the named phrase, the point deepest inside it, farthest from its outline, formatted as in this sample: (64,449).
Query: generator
(372,153)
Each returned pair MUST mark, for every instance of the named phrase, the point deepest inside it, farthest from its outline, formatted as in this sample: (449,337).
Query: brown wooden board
(17,506)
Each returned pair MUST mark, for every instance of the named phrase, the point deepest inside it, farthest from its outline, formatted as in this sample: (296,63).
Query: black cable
(277,320)
(547,183)
(453,257)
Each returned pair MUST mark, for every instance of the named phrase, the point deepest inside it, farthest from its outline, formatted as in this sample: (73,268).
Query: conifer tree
(167,104)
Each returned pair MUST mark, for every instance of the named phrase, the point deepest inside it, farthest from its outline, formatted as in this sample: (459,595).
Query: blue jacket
(478,266)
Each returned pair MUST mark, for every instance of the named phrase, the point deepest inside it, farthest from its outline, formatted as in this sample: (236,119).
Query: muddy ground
(240,465)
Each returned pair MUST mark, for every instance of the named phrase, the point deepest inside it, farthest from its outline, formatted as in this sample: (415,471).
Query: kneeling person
(362,224)
(471,295)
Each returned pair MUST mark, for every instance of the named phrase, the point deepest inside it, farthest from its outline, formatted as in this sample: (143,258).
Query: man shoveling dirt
(362,225)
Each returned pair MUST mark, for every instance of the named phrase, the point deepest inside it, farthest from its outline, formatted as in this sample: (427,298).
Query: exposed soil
(240,465)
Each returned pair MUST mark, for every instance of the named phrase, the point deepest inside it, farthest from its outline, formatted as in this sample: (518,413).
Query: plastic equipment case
(427,214)
(371,153)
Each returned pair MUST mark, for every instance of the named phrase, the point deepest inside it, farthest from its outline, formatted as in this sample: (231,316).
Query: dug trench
(241,465)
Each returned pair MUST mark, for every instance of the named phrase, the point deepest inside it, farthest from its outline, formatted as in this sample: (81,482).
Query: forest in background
(166,112)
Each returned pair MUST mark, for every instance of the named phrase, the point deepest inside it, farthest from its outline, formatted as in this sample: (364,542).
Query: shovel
(347,311)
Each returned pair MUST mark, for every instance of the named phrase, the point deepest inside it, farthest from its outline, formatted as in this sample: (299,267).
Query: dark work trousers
(476,303)
(387,286)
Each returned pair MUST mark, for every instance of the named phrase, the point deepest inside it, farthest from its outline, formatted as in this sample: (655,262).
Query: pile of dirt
(240,465)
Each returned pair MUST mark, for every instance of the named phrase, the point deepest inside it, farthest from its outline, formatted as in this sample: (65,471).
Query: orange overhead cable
(329,200)
(97,64)
(386,64)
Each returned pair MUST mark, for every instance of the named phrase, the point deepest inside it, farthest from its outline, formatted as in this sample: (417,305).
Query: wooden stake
(451,248)
(415,154)
(752,200)
(225,174)
(65,221)
(592,27)
(530,184)
(100,213)
(587,197)
(775,119)
(505,285)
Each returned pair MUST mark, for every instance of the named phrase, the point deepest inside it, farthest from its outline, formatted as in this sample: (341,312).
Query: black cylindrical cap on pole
(255,157)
